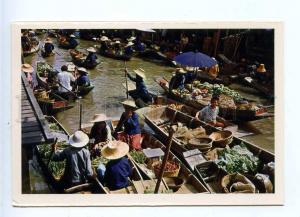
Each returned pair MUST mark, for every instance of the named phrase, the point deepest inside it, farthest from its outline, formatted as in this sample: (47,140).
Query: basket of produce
(174,183)
(237,183)
(221,138)
(171,169)
(203,144)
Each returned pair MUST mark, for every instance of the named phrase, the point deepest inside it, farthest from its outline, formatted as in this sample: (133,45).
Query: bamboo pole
(126,79)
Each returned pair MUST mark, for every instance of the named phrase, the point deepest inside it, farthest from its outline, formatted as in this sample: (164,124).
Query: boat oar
(80,115)
(137,170)
(126,79)
(77,97)
(165,159)
(100,185)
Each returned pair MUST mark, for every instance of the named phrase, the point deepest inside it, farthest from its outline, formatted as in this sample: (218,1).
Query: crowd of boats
(180,154)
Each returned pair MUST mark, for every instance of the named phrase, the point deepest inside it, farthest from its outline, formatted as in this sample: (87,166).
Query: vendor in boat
(33,38)
(72,41)
(132,131)
(129,49)
(214,70)
(83,79)
(64,79)
(30,74)
(104,44)
(101,131)
(116,172)
(261,72)
(78,168)
(25,41)
(210,113)
(117,47)
(48,47)
(139,46)
(141,93)
(91,57)
(178,80)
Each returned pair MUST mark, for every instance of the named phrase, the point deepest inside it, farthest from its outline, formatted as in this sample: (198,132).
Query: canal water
(108,77)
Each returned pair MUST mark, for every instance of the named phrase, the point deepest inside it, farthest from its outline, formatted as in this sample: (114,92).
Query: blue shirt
(128,51)
(83,80)
(177,81)
(207,114)
(73,42)
(141,89)
(189,77)
(131,125)
(117,173)
(48,47)
(91,58)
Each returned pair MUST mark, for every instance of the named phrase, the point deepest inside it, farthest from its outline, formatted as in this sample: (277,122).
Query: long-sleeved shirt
(131,125)
(72,42)
(177,81)
(117,173)
(78,164)
(48,47)
(141,89)
(83,80)
(100,135)
(91,58)
(128,51)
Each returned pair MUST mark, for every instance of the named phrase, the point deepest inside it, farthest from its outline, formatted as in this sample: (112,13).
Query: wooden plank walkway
(35,129)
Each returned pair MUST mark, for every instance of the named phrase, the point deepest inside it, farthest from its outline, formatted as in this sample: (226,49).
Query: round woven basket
(203,144)
(173,173)
(221,138)
(228,181)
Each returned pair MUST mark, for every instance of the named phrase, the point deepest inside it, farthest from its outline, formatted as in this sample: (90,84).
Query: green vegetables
(238,160)
(138,156)
(54,126)
(97,160)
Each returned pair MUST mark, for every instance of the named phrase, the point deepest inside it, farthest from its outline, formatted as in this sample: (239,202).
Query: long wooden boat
(78,59)
(44,68)
(152,54)
(62,43)
(45,55)
(115,56)
(43,158)
(191,183)
(34,49)
(238,114)
(159,118)
(254,83)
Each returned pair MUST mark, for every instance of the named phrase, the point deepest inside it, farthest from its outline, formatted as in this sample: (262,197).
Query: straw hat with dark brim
(140,72)
(115,150)
(99,118)
(79,139)
(91,49)
(27,68)
(129,44)
(129,103)
(261,68)
(82,69)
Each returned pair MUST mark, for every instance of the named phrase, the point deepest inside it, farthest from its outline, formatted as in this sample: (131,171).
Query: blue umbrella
(193,59)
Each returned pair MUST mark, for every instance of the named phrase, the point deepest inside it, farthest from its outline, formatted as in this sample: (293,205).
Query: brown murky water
(109,91)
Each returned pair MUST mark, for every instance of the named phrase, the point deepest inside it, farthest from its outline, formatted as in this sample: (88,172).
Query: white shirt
(65,78)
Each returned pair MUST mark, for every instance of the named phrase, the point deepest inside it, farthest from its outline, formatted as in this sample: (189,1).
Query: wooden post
(80,115)
(165,159)
(126,79)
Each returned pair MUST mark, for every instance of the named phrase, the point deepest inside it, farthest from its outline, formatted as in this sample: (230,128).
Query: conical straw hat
(115,150)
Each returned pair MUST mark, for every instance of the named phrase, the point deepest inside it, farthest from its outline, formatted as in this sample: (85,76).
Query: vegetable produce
(171,166)
(138,156)
(54,126)
(238,160)
(97,160)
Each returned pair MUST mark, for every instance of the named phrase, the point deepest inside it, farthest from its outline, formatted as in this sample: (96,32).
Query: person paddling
(48,47)
(91,57)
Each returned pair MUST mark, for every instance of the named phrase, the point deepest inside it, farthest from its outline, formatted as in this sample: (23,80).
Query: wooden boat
(51,103)
(78,59)
(152,54)
(35,48)
(63,43)
(191,182)
(241,113)
(112,55)
(45,55)
(62,136)
(44,68)
(254,83)
(158,118)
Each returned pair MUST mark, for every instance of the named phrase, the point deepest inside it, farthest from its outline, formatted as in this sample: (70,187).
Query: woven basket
(228,181)
(166,173)
(203,144)
(221,138)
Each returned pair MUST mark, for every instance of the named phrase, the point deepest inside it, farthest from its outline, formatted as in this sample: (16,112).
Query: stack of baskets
(203,144)
(221,138)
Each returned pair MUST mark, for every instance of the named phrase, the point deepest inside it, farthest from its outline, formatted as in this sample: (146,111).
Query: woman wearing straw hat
(91,57)
(118,169)
(261,72)
(48,48)
(83,79)
(128,49)
(78,168)
(100,131)
(129,120)
(72,41)
(141,93)
(30,74)
(104,46)
(178,80)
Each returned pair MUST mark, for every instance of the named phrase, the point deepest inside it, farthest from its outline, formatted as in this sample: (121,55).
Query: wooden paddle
(126,79)
(164,162)
(137,170)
